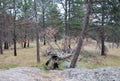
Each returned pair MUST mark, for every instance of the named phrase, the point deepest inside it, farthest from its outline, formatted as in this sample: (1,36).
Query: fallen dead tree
(53,61)
(55,56)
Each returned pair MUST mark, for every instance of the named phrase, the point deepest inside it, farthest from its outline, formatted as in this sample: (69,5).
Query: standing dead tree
(84,28)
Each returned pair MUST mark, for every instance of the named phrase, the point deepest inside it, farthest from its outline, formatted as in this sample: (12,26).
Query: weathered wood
(54,59)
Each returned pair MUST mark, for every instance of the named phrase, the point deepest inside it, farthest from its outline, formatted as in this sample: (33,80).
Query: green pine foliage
(76,17)
(111,11)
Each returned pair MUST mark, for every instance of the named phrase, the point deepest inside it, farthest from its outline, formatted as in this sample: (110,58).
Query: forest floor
(92,66)
(90,56)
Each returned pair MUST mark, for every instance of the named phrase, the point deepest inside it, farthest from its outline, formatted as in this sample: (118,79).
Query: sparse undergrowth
(92,60)
(89,58)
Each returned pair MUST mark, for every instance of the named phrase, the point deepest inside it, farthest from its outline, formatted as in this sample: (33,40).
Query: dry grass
(27,57)
(91,57)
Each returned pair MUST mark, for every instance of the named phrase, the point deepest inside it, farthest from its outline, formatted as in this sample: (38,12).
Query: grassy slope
(89,57)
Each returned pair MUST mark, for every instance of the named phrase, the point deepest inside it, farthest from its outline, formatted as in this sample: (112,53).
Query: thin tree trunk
(14,31)
(103,33)
(66,28)
(1,50)
(25,42)
(84,28)
(37,33)
(28,44)
(44,39)
(1,32)
(6,45)
(69,39)
(102,36)
(43,20)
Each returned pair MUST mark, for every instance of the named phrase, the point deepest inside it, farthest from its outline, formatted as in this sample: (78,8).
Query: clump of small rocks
(73,74)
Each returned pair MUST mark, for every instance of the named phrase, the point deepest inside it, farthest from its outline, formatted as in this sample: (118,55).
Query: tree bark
(69,39)
(37,33)
(103,46)
(66,28)
(1,32)
(103,32)
(6,45)
(14,31)
(28,44)
(1,50)
(24,44)
(25,41)
(84,28)
(44,39)
(55,39)
(43,20)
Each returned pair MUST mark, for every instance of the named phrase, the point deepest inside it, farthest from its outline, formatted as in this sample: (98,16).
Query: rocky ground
(77,74)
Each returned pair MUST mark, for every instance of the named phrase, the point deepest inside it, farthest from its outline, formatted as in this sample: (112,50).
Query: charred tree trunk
(84,28)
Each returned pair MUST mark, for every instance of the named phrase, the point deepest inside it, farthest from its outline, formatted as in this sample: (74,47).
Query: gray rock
(104,74)
(76,74)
